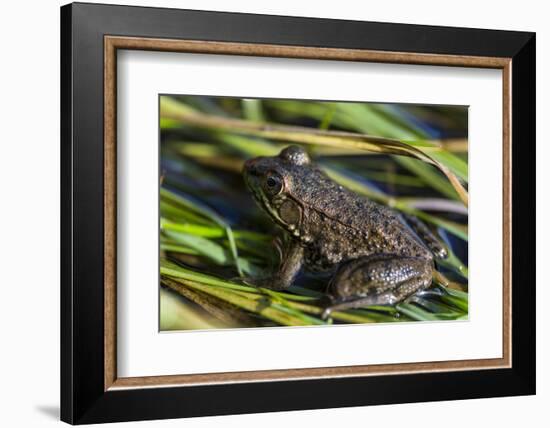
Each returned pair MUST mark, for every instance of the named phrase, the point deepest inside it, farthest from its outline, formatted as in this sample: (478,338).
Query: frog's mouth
(252,182)
(255,189)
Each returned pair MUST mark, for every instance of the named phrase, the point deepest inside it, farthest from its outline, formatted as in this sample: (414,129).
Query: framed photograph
(266,213)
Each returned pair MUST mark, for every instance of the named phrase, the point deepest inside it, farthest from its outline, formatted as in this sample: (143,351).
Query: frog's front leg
(378,280)
(291,260)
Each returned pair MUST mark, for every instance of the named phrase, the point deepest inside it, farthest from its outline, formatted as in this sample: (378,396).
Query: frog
(372,254)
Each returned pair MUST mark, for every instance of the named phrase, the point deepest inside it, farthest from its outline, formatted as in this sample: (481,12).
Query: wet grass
(411,158)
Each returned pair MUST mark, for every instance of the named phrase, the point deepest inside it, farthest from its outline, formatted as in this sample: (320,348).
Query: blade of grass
(210,232)
(415,312)
(175,248)
(172,270)
(203,246)
(436,307)
(177,213)
(309,136)
(219,309)
(257,304)
(456,302)
(176,271)
(428,176)
(252,109)
(209,213)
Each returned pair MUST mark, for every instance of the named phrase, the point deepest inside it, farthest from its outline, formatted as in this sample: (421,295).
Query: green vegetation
(212,233)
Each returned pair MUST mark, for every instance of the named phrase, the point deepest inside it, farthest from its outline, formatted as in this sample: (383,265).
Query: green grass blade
(415,312)
(203,246)
(252,109)
(209,213)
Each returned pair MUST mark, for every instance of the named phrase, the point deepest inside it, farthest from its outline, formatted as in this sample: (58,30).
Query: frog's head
(272,181)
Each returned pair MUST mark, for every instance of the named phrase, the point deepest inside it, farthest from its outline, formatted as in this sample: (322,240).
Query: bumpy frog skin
(373,255)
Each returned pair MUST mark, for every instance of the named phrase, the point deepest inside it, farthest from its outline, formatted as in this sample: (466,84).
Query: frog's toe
(256,282)
(252,281)
(433,291)
(246,280)
(382,299)
(326,313)
(327,302)
(269,282)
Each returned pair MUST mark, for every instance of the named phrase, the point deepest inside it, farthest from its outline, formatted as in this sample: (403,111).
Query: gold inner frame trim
(113,43)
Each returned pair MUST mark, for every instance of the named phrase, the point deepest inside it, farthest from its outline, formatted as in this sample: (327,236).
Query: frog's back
(353,225)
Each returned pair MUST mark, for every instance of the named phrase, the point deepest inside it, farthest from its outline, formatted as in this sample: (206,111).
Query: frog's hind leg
(383,299)
(378,280)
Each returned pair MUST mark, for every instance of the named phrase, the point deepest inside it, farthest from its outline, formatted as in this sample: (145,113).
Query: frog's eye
(273,184)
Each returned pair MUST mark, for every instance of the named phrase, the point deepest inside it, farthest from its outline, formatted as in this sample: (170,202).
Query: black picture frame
(83,396)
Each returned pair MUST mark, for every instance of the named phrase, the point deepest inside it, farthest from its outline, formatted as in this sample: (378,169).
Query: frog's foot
(388,298)
(258,282)
(426,235)
(283,276)
(434,291)
(244,280)
(378,280)
(273,282)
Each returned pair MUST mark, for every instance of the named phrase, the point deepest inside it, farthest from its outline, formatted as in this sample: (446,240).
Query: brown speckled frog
(375,258)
